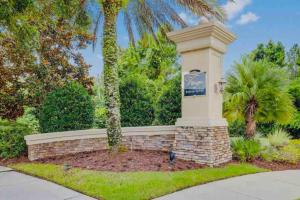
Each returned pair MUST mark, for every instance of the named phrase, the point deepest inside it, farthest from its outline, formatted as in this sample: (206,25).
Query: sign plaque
(195,83)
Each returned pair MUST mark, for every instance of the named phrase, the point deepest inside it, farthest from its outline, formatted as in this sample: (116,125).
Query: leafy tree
(39,45)
(147,16)
(154,58)
(272,52)
(67,108)
(293,59)
(154,64)
(257,93)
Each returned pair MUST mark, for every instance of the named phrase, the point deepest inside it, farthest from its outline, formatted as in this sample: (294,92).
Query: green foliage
(136,101)
(100,118)
(294,90)
(272,52)
(67,108)
(293,59)
(128,186)
(245,150)
(155,63)
(40,43)
(12,143)
(266,128)
(236,128)
(289,153)
(169,103)
(279,138)
(253,85)
(29,118)
(157,60)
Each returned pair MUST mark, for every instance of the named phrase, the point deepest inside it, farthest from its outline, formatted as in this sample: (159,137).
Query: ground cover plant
(131,185)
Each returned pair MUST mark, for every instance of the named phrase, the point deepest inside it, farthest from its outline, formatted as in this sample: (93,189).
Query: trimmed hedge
(12,143)
(67,108)
(169,103)
(136,102)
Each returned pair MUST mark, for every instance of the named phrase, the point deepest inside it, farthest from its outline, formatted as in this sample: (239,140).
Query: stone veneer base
(205,145)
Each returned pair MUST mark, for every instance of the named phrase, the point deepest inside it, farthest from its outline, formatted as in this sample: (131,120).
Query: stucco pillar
(202,130)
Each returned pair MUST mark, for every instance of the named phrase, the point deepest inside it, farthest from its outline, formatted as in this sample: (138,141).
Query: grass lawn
(132,185)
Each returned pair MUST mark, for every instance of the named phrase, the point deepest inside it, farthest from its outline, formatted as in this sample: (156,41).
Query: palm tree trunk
(111,79)
(250,125)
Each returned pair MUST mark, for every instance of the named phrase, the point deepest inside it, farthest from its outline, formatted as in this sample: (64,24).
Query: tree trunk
(250,124)
(111,79)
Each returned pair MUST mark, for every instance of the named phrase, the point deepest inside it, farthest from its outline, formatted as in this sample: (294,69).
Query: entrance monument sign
(202,133)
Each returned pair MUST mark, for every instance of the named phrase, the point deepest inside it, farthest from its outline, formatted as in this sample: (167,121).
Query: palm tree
(144,16)
(257,93)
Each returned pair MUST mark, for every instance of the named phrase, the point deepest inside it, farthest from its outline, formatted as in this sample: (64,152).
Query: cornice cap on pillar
(203,30)
(213,30)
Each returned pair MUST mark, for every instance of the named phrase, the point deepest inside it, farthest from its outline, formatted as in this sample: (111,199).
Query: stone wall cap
(214,29)
(96,133)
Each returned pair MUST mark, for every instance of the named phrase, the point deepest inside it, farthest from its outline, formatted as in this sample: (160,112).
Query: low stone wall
(62,143)
(205,145)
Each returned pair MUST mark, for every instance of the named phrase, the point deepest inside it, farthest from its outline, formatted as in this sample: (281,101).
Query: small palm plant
(140,17)
(257,92)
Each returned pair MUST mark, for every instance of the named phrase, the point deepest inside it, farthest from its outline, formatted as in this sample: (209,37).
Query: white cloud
(233,8)
(189,18)
(247,18)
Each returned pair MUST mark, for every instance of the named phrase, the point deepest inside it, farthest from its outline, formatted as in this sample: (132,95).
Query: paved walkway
(17,186)
(283,185)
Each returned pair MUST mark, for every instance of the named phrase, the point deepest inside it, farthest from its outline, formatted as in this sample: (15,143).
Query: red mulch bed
(21,159)
(125,161)
(135,161)
(275,166)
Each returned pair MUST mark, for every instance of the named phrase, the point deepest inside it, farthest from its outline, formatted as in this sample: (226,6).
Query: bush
(236,128)
(136,101)
(294,126)
(289,153)
(67,108)
(169,103)
(245,150)
(29,118)
(266,128)
(279,138)
(100,118)
(12,143)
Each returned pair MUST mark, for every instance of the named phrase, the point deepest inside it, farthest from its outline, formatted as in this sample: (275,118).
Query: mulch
(137,160)
(123,161)
(275,166)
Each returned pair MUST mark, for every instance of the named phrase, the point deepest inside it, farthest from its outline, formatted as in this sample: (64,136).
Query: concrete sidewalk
(17,186)
(283,185)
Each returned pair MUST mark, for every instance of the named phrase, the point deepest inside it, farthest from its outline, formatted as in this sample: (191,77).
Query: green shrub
(294,126)
(67,108)
(100,118)
(29,118)
(289,153)
(279,138)
(136,101)
(266,128)
(236,128)
(12,143)
(245,150)
(169,103)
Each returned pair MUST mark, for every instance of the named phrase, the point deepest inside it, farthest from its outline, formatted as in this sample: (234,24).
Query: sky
(252,21)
